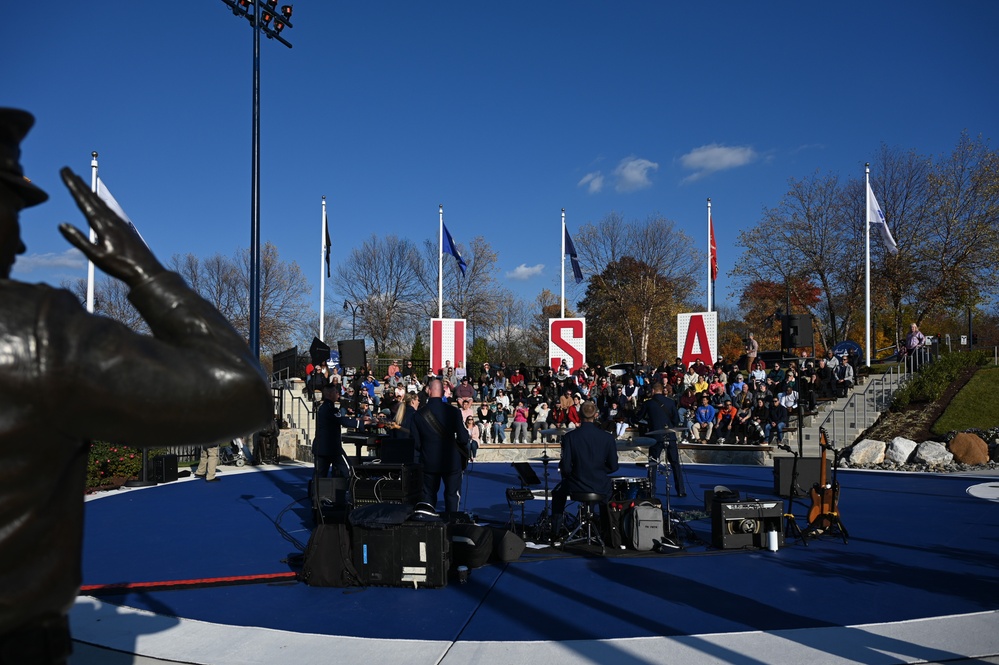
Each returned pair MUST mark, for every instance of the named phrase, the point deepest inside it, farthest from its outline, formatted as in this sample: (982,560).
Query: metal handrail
(884,388)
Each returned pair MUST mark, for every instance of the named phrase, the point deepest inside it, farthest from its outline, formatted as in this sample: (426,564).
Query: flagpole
(867,261)
(440,265)
(563,262)
(322,275)
(709,256)
(93,236)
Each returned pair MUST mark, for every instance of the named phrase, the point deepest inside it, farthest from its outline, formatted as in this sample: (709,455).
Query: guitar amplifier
(411,554)
(740,524)
(387,483)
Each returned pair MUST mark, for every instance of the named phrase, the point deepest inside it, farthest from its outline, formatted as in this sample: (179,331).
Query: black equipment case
(412,554)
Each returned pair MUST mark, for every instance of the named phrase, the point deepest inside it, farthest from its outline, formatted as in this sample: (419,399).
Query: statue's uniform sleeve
(192,381)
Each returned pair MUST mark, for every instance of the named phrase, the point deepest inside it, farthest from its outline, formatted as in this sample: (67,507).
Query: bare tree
(284,292)
(381,274)
(640,274)
(110,300)
(474,296)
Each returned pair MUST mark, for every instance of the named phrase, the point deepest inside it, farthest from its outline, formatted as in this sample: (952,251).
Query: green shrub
(111,462)
(933,378)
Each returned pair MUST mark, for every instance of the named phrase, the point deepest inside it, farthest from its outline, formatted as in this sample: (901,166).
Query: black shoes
(211,480)
(198,475)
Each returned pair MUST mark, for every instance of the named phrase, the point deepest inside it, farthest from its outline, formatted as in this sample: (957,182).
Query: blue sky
(503,112)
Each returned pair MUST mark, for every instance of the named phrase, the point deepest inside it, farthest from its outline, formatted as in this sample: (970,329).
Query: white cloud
(633,173)
(71,259)
(714,157)
(594,182)
(523,271)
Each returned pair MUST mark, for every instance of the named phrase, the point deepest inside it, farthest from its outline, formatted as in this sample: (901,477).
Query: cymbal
(555,431)
(543,458)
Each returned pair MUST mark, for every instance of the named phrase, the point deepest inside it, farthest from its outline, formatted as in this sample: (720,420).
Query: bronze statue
(67,377)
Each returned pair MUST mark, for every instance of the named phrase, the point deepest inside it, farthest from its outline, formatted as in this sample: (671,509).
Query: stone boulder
(900,450)
(933,453)
(968,448)
(867,452)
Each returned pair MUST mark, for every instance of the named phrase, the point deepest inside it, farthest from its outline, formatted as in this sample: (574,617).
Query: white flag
(877,218)
(105,194)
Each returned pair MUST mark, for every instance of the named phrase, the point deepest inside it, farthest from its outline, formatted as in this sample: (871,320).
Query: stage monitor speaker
(741,524)
(165,468)
(796,331)
(808,474)
(351,352)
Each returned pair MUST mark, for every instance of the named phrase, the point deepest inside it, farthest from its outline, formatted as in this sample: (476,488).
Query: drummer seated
(589,457)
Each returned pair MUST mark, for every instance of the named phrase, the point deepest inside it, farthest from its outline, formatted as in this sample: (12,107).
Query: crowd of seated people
(720,403)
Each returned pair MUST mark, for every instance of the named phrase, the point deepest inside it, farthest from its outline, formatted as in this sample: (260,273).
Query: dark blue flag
(452,249)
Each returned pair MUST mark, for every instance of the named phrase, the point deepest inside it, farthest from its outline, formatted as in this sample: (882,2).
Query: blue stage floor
(921,547)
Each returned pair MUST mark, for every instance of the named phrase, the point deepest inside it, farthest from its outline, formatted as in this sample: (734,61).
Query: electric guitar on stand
(823,516)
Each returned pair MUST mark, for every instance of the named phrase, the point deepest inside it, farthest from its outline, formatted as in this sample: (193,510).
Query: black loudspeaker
(165,468)
(328,500)
(741,524)
(808,474)
(507,546)
(795,331)
(411,554)
(351,352)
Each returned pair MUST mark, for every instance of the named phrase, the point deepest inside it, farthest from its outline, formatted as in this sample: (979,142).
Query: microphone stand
(791,528)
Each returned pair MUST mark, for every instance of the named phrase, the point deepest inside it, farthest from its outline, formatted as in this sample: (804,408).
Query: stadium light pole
(271,23)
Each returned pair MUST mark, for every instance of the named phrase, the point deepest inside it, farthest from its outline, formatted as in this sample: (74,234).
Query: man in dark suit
(442,446)
(327,447)
(660,413)
(192,380)
(589,456)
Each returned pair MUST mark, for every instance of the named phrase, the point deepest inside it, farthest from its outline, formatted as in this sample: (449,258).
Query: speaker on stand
(795,331)
(351,353)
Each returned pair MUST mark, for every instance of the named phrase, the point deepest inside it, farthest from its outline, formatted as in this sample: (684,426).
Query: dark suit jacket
(329,430)
(589,455)
(659,412)
(437,453)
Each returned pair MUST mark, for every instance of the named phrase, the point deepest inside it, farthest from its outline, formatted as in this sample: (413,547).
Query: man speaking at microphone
(660,413)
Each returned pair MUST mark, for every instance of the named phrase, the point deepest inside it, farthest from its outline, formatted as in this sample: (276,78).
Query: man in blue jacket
(660,413)
(589,456)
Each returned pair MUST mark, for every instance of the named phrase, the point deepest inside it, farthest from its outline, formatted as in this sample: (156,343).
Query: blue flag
(452,249)
(570,250)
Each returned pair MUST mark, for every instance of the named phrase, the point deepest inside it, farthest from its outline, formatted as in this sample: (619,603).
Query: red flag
(713,250)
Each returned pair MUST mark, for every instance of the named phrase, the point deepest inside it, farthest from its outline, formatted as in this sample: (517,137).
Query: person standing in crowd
(752,350)
(194,367)
(442,446)
(914,341)
(208,461)
(327,446)
(589,456)
(519,432)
